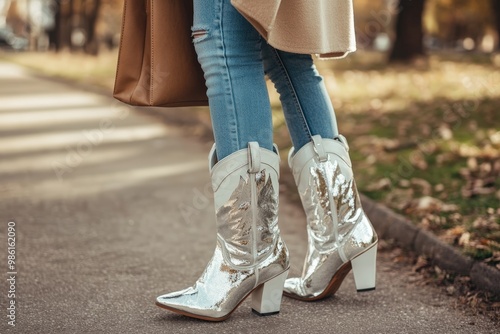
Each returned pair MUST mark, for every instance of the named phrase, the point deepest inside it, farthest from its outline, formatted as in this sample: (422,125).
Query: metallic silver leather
(249,249)
(337,226)
(235,221)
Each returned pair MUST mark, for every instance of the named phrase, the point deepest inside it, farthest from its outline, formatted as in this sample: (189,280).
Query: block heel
(364,268)
(266,298)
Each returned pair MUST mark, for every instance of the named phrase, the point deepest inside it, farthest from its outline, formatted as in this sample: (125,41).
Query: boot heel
(266,298)
(364,269)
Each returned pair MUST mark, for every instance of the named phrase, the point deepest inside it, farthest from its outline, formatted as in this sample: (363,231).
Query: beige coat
(323,27)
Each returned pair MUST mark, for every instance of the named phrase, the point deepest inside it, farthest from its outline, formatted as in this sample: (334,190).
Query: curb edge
(390,225)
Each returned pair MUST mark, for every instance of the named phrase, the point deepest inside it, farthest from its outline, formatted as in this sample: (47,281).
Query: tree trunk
(496,10)
(92,14)
(409,31)
(54,40)
(60,36)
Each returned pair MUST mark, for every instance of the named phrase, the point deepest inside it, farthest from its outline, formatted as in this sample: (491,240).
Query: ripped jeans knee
(198,34)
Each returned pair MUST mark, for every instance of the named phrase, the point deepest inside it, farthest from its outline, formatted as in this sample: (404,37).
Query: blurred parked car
(10,41)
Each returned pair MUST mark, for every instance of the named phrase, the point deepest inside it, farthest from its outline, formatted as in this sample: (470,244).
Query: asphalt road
(111,208)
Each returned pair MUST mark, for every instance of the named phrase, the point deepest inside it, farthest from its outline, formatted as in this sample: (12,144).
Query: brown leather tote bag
(157,64)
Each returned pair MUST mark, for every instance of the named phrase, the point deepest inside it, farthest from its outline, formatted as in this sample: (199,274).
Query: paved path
(111,209)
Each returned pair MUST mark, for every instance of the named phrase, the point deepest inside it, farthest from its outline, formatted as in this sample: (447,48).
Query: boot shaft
(323,173)
(246,190)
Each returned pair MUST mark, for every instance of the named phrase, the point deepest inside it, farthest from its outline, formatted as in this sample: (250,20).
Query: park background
(419,101)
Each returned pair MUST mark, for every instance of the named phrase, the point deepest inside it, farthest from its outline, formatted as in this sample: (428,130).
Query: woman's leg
(306,104)
(229,50)
(340,235)
(250,258)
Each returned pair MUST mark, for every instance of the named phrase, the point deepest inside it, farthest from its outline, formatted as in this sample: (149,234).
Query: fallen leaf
(425,186)
(495,138)
(381,184)
(404,183)
(421,263)
(450,290)
(431,204)
(417,159)
(445,132)
(472,163)
(464,239)
(439,187)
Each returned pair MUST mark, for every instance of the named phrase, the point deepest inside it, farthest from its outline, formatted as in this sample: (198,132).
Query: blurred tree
(450,22)
(60,35)
(496,10)
(72,17)
(409,31)
(91,14)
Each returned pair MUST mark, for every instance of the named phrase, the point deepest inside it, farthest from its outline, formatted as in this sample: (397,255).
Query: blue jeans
(235,60)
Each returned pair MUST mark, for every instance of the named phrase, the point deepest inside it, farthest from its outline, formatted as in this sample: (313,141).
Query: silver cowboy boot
(250,257)
(340,236)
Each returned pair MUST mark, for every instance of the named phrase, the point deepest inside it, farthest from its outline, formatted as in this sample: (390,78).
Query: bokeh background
(419,102)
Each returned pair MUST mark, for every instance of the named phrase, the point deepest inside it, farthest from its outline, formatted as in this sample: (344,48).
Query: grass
(424,138)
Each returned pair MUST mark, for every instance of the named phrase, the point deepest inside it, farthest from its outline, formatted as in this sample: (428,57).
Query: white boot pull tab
(342,139)
(319,149)
(253,157)
(212,158)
